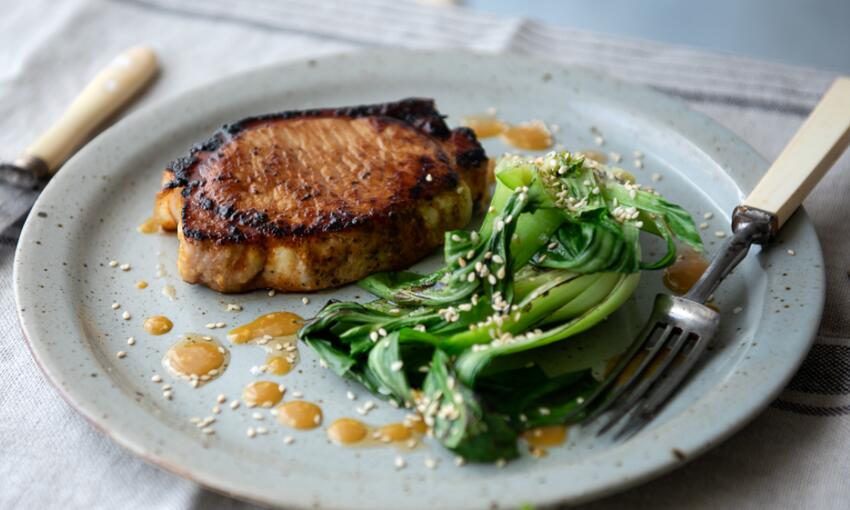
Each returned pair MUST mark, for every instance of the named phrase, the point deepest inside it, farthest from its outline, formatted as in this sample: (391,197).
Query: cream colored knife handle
(810,153)
(107,93)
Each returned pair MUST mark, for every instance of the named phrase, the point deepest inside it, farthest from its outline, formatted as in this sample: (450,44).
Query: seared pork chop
(306,200)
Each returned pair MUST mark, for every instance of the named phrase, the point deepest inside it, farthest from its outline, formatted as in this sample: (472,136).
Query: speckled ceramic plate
(88,214)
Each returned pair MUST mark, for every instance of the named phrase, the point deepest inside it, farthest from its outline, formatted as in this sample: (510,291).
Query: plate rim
(206,477)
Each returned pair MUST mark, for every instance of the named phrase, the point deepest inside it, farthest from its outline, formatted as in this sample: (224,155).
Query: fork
(679,328)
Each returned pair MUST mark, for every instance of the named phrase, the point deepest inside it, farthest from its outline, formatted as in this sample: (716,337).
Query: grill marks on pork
(270,199)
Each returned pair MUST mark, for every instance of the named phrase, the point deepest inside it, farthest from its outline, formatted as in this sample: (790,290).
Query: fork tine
(666,386)
(621,398)
(664,359)
(640,341)
(619,389)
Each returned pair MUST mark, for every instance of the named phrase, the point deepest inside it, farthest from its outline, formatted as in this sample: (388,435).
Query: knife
(108,92)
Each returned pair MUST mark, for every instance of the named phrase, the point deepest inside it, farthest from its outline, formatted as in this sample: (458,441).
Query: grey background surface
(812,33)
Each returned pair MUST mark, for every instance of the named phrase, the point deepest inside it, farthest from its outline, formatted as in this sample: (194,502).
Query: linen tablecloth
(793,455)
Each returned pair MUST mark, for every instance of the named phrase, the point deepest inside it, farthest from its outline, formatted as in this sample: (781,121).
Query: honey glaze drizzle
(158,325)
(262,394)
(274,332)
(684,273)
(547,436)
(196,358)
(352,432)
(533,136)
(299,414)
(484,125)
(150,226)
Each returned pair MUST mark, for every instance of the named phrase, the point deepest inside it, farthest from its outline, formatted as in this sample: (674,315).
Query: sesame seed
(791,252)
(373,336)
(719,233)
(429,178)
(216,410)
(125,267)
(116,306)
(156,378)
(257,416)
(272,293)
(737,310)
(616,157)
(121,354)
(544,411)
(708,216)
(210,325)
(234,404)
(399,462)
(350,395)
(396,366)
(220,324)
(167,395)
(637,154)
(297,394)
(125,315)
(471,277)
(166,387)
(655,177)
(233,307)
(638,163)
(599,140)
(305,300)
(113,263)
(208,431)
(430,463)
(501,463)
(459,461)
(222,398)
(262,430)
(251,432)
(703,225)
(131,341)
(382,331)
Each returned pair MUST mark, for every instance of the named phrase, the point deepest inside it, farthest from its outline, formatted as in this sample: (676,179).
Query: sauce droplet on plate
(345,431)
(196,358)
(533,136)
(271,324)
(274,332)
(262,394)
(158,325)
(150,226)
(546,436)
(141,284)
(277,365)
(599,157)
(684,273)
(484,126)
(299,414)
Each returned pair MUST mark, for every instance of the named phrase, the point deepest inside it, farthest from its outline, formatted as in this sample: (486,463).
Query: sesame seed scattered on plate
(305,300)
(288,440)
(721,234)
(121,354)
(791,252)
(156,378)
(131,341)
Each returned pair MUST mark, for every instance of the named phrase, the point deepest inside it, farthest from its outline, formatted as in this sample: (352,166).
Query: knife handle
(811,152)
(106,94)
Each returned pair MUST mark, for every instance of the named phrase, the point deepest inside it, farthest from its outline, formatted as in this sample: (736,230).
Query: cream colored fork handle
(813,149)
(107,93)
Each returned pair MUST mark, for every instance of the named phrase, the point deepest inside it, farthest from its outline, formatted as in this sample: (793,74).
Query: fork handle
(108,92)
(810,153)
